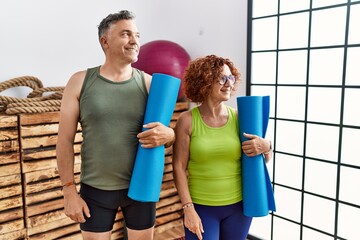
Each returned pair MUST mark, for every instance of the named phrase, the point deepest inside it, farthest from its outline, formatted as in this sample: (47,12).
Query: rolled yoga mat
(146,180)
(258,197)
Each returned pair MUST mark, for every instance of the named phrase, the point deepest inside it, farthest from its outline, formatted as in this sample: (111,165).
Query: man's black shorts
(104,205)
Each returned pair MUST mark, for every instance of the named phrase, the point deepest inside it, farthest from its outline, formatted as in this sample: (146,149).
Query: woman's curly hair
(202,73)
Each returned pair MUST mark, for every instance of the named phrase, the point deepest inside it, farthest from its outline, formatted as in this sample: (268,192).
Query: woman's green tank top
(214,166)
(111,115)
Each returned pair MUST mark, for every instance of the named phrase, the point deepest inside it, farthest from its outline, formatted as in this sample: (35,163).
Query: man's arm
(69,115)
(157,133)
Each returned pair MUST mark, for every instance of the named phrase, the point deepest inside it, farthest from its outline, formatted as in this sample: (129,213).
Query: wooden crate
(31,200)
(44,215)
(12,225)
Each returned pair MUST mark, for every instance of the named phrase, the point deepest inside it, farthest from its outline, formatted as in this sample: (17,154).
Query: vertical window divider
(343,86)
(305,124)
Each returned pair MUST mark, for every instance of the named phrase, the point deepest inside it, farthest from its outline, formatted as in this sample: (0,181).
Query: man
(109,101)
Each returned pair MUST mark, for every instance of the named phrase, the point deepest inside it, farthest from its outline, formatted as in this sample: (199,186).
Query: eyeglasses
(224,79)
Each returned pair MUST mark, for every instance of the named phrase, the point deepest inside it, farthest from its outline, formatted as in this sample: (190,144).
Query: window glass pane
(290,137)
(291,5)
(351,108)
(264,7)
(293,31)
(328,27)
(349,189)
(322,3)
(288,204)
(291,102)
(326,66)
(292,67)
(288,170)
(324,185)
(261,227)
(319,213)
(263,69)
(354,28)
(322,142)
(285,230)
(348,223)
(264,34)
(324,105)
(350,141)
(352,66)
(312,234)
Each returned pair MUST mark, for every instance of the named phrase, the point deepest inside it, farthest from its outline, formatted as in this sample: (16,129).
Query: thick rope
(27,81)
(39,92)
(35,101)
(17,110)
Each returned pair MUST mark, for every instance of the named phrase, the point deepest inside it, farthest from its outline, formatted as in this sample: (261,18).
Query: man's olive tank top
(111,115)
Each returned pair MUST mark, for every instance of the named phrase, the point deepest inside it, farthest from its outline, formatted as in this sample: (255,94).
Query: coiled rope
(35,102)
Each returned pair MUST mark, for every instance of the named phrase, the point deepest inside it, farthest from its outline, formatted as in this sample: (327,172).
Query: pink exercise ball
(162,56)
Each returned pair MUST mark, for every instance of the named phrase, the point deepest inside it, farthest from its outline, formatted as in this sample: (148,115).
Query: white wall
(52,39)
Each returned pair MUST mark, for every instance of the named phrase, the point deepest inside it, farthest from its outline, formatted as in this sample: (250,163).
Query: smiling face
(121,41)
(222,92)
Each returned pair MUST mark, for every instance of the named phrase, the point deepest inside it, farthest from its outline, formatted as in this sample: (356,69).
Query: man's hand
(75,206)
(157,134)
(255,145)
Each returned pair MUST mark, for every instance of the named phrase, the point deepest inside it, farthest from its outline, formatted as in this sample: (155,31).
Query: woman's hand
(192,221)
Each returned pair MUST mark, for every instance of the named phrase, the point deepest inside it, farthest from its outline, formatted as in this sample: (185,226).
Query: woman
(207,151)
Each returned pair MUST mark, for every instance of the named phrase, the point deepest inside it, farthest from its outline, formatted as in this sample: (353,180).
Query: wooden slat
(181,106)
(172,230)
(11,191)
(30,166)
(165,227)
(39,118)
(33,154)
(11,157)
(45,141)
(168,176)
(57,233)
(168,192)
(11,226)
(169,209)
(167,201)
(12,214)
(44,207)
(45,174)
(38,130)
(18,234)
(9,146)
(8,134)
(167,185)
(42,229)
(46,218)
(7,121)
(10,180)
(10,203)
(45,196)
(10,169)
(168,218)
(45,185)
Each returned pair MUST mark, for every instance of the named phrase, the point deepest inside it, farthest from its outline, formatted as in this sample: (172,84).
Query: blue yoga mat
(146,180)
(258,197)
